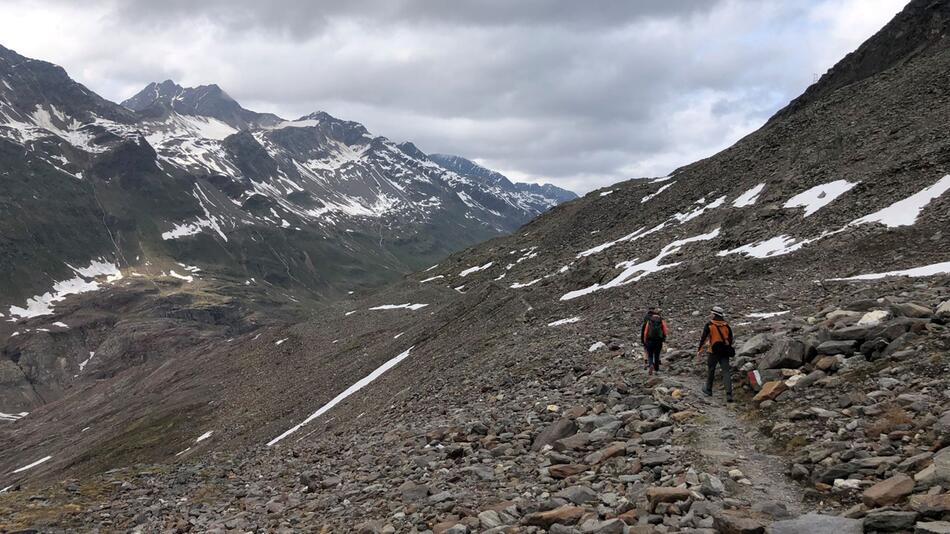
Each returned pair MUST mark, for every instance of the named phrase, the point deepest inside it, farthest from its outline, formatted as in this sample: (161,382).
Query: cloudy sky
(581,94)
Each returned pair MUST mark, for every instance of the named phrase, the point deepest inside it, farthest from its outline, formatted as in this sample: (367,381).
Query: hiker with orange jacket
(716,343)
(652,334)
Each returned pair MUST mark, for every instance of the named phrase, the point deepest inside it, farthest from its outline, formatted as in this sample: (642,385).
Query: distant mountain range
(317,205)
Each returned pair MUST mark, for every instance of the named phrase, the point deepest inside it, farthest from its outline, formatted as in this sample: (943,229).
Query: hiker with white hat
(716,343)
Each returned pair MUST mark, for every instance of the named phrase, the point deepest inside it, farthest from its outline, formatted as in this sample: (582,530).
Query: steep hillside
(501,390)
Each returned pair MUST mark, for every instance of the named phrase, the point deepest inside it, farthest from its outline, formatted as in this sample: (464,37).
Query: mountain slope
(188,206)
(427,404)
(187,175)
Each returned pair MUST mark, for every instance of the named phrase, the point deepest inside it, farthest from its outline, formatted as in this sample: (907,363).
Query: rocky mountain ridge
(210,179)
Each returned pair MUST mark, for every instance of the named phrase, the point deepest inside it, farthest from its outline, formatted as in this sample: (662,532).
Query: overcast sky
(580,94)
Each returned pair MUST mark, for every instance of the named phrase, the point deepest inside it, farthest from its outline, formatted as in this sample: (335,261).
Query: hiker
(716,342)
(652,335)
(643,324)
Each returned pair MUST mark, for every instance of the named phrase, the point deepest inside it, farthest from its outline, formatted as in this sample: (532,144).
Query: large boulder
(565,515)
(932,527)
(887,492)
(890,521)
(912,309)
(756,344)
(817,524)
(942,466)
(560,429)
(874,318)
(943,311)
(857,333)
(786,353)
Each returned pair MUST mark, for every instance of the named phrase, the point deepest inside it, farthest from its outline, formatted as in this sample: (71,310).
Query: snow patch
(84,282)
(766,315)
(32,465)
(565,321)
(924,270)
(634,270)
(639,233)
(82,364)
(406,306)
(905,212)
(649,197)
(819,196)
(349,391)
(12,416)
(597,346)
(471,270)
(518,285)
(749,197)
(431,279)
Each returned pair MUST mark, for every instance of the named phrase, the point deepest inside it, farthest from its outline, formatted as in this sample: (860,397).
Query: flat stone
(564,515)
(610,526)
(833,346)
(413,492)
(887,492)
(931,504)
(912,309)
(817,524)
(560,429)
(655,459)
(729,522)
(943,311)
(566,470)
(577,494)
(942,465)
(612,450)
(932,527)
(489,519)
(572,443)
(658,494)
(889,521)
(658,436)
(770,391)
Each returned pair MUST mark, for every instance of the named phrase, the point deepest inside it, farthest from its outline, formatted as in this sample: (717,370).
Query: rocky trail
(731,442)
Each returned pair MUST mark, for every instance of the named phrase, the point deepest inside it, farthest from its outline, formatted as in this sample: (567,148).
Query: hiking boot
(707,392)
(650,373)
(729,399)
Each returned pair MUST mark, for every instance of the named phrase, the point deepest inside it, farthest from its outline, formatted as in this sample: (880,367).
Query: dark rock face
(158,99)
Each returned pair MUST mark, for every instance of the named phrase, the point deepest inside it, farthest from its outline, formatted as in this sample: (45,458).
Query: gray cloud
(580,94)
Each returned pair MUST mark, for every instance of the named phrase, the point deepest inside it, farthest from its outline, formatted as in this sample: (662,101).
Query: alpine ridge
(501,389)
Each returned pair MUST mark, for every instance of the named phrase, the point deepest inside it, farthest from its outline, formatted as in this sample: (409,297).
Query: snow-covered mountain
(187,175)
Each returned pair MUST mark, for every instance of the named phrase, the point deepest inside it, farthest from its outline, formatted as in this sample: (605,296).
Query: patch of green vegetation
(142,441)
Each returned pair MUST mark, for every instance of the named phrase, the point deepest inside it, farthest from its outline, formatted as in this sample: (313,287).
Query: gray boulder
(786,353)
(833,346)
(562,428)
(817,524)
(757,344)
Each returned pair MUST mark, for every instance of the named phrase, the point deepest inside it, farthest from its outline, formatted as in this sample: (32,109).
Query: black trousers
(711,362)
(653,354)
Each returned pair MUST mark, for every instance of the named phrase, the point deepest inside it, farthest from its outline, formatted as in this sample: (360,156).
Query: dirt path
(730,442)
